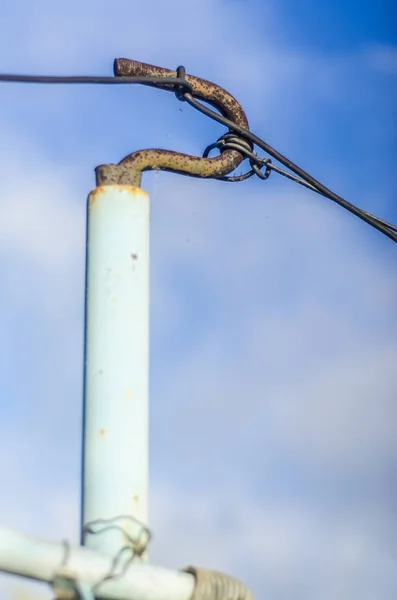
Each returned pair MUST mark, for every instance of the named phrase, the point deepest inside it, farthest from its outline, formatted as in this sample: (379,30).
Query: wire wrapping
(304,178)
(133,549)
(184,92)
(213,585)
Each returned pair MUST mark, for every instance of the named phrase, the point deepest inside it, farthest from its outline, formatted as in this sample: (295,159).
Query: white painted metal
(115,471)
(36,559)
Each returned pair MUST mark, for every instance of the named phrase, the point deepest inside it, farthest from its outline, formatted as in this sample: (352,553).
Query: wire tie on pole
(180,90)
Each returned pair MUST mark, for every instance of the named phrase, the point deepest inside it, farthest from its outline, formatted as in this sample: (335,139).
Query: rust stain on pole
(129,394)
(136,504)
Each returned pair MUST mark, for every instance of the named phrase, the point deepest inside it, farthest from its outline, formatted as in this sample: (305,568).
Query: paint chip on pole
(115,471)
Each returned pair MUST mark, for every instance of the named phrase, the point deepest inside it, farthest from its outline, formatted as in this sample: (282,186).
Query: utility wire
(183,92)
(170,81)
(321,189)
(238,144)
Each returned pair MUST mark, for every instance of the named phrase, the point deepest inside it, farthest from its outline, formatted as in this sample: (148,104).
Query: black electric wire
(183,91)
(240,145)
(375,222)
(171,81)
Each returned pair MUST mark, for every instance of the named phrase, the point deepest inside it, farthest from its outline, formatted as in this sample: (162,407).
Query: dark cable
(183,91)
(375,222)
(229,140)
(176,82)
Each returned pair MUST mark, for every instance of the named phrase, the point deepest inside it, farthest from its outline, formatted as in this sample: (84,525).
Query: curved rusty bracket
(129,170)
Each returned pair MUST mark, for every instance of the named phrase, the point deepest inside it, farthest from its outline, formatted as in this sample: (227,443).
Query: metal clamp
(129,170)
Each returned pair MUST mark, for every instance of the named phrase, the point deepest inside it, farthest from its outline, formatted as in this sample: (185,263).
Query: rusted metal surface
(129,169)
(117,175)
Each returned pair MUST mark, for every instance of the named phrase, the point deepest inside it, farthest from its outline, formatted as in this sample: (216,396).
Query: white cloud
(282,546)
(42,222)
(330,409)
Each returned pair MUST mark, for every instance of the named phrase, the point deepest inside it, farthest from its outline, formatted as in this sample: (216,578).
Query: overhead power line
(184,91)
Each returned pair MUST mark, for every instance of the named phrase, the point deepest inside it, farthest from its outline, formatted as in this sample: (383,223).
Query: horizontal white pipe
(37,559)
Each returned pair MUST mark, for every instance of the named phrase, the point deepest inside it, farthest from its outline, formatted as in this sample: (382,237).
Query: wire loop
(232,141)
(257,166)
(135,547)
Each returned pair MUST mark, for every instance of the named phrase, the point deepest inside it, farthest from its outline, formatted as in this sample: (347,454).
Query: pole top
(128,171)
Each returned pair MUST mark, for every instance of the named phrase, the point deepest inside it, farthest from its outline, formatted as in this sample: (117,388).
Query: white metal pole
(37,559)
(115,465)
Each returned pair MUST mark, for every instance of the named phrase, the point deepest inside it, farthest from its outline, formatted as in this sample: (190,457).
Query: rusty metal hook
(129,170)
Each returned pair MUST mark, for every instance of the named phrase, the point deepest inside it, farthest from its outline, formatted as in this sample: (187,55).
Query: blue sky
(273,321)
